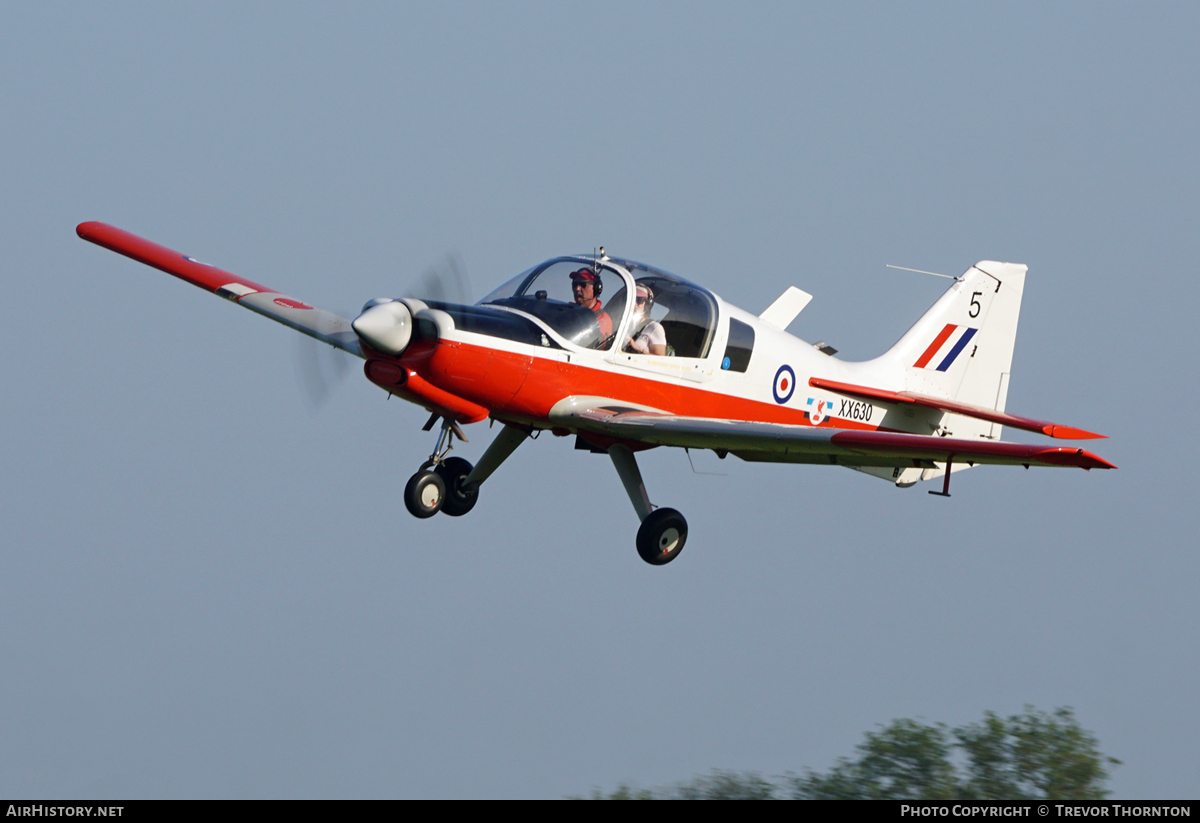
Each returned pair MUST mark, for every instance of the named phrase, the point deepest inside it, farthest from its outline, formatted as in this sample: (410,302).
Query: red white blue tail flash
(947,346)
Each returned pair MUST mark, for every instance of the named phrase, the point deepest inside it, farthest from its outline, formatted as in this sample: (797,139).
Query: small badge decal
(817,410)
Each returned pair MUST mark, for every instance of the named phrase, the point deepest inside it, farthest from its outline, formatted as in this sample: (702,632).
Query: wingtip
(1070,433)
(1080,458)
(87,227)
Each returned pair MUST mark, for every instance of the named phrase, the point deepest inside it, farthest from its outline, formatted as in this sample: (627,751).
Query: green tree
(1032,755)
(622,792)
(904,761)
(719,785)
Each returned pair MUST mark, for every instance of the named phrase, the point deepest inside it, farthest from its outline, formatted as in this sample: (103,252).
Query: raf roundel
(785,384)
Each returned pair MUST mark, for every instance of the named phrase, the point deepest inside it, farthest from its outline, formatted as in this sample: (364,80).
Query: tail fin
(961,349)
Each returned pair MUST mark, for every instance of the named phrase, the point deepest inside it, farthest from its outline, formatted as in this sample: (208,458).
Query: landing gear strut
(663,531)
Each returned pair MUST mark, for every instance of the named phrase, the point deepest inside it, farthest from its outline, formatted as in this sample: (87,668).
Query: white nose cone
(386,327)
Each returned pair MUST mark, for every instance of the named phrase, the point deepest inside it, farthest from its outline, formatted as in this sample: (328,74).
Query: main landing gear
(663,531)
(451,484)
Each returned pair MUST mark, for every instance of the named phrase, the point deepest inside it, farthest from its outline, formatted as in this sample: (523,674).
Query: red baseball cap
(586,275)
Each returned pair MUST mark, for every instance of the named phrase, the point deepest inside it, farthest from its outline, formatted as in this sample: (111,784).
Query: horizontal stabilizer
(785,309)
(954,407)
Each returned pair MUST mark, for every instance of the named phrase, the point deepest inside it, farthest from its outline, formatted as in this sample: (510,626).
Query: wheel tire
(661,536)
(459,500)
(424,494)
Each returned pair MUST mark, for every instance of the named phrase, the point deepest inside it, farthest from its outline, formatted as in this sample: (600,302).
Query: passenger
(650,336)
(586,285)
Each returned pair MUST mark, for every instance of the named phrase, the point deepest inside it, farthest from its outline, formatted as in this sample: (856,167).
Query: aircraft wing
(965,409)
(323,325)
(781,442)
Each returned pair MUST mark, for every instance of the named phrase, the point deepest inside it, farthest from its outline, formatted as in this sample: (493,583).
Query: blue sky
(209,589)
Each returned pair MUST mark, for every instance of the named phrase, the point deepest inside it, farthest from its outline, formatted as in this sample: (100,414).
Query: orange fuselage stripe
(522,386)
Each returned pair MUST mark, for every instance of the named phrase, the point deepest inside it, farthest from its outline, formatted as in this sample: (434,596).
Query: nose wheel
(451,484)
(441,488)
(437,485)
(460,497)
(425,494)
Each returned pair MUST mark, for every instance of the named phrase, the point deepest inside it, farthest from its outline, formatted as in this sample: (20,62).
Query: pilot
(650,337)
(586,285)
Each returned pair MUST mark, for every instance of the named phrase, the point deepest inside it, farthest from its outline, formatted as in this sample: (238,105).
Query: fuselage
(507,362)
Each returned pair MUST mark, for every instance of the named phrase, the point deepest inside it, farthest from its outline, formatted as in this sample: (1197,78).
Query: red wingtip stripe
(1074,457)
(934,346)
(1070,433)
(162,258)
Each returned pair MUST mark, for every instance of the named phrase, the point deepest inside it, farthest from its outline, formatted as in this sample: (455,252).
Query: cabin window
(684,312)
(739,347)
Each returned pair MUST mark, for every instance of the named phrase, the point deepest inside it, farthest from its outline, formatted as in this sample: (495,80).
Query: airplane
(627,357)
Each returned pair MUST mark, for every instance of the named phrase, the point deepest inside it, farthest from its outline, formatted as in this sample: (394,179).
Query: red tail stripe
(934,346)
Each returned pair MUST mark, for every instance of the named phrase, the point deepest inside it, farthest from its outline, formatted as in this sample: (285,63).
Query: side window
(690,319)
(676,318)
(740,346)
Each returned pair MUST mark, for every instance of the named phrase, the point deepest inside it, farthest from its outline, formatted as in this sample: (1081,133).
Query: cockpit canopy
(548,293)
(587,302)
